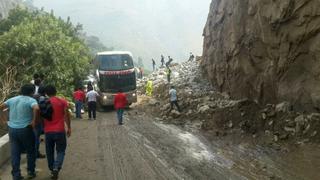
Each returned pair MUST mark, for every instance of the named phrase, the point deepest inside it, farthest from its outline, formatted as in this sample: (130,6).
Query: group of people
(91,97)
(37,110)
(80,97)
(167,64)
(26,122)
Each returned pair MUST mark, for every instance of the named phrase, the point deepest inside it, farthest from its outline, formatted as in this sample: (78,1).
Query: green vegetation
(38,42)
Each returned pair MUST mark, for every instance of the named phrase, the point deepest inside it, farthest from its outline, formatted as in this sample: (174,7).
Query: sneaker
(54,174)
(121,123)
(31,175)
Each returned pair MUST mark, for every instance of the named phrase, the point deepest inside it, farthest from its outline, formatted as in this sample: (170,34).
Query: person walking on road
(92,96)
(153,64)
(79,98)
(55,132)
(23,112)
(173,99)
(120,102)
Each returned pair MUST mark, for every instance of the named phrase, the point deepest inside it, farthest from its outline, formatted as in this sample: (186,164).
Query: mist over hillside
(147,28)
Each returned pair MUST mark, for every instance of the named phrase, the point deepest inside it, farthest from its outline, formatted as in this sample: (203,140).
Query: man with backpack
(23,112)
(55,131)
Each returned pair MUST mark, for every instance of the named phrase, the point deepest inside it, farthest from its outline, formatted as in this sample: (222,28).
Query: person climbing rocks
(149,88)
(168,71)
(173,99)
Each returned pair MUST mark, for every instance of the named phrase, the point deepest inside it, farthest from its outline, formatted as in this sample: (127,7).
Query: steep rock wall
(6,5)
(265,50)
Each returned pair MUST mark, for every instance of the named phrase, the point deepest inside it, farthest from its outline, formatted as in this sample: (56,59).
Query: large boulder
(268,51)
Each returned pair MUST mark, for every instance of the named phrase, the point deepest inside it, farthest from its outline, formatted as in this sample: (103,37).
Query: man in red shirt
(55,131)
(120,102)
(79,98)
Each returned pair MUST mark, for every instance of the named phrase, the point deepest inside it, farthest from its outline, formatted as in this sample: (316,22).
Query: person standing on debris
(23,113)
(120,102)
(162,60)
(168,71)
(191,58)
(173,99)
(149,88)
(169,61)
(92,96)
(153,64)
(79,98)
(55,132)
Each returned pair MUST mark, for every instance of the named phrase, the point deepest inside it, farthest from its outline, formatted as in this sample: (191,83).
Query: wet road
(144,149)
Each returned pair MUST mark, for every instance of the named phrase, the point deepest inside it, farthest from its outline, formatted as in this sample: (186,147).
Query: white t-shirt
(92,96)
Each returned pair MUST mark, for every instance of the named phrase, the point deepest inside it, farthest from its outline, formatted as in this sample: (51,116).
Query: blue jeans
(56,141)
(37,132)
(79,105)
(22,139)
(120,115)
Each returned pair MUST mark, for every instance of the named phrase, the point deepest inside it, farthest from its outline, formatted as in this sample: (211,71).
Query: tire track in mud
(123,156)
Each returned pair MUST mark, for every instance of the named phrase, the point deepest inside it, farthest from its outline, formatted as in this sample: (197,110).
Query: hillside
(147,28)
(6,5)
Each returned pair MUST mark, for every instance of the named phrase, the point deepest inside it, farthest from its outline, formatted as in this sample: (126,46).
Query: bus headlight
(105,97)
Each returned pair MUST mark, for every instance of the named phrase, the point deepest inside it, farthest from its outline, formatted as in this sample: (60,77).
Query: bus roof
(114,52)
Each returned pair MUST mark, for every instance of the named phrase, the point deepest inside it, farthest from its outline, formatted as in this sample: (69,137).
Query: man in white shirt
(92,96)
(173,99)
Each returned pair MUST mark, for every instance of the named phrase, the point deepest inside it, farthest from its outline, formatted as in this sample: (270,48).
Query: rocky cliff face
(265,50)
(6,5)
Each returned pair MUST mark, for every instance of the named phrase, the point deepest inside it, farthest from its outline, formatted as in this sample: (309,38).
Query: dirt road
(144,149)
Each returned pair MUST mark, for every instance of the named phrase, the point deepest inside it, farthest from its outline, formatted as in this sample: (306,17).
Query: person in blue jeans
(120,103)
(55,132)
(23,111)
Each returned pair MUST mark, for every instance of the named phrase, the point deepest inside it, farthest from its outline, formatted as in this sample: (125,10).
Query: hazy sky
(148,28)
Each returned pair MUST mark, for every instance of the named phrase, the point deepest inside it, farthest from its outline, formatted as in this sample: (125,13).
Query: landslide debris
(205,108)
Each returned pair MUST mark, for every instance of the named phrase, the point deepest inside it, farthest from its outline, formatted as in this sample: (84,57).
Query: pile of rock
(214,111)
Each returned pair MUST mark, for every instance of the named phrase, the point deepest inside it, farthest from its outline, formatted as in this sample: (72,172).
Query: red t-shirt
(57,122)
(79,95)
(120,101)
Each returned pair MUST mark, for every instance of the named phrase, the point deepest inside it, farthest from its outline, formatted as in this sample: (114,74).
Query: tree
(39,42)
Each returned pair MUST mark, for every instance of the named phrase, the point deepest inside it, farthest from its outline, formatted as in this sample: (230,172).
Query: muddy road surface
(145,149)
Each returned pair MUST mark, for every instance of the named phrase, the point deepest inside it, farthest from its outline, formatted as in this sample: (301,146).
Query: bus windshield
(115,62)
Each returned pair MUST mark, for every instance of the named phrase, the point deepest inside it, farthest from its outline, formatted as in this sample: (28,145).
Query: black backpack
(46,109)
